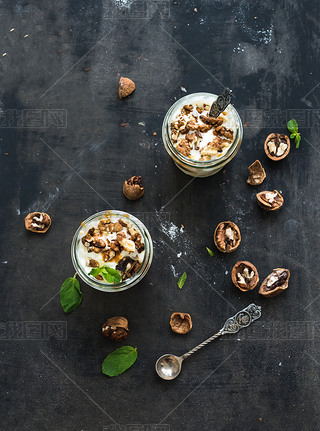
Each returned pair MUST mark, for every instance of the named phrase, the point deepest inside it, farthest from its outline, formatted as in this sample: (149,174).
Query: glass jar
(103,285)
(197,168)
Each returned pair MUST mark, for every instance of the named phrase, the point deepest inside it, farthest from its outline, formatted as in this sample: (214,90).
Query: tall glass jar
(197,168)
(103,285)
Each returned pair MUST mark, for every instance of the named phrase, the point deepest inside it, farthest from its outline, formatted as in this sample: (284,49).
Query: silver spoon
(169,366)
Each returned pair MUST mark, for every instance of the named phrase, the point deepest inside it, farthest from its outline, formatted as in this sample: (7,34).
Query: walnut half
(116,328)
(256,174)
(37,222)
(227,236)
(244,275)
(181,323)
(270,201)
(132,188)
(275,283)
(277,146)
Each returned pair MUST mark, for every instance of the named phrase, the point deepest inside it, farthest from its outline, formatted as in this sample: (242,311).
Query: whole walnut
(116,328)
(132,188)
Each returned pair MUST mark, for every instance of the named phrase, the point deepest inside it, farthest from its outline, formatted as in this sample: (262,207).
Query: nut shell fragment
(277,146)
(256,173)
(181,323)
(275,283)
(132,188)
(244,275)
(37,222)
(227,236)
(126,87)
(270,201)
(116,328)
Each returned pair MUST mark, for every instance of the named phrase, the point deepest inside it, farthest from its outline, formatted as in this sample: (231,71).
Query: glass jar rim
(129,282)
(203,164)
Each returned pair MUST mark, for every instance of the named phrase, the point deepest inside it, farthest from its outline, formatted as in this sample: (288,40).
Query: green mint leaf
(70,294)
(297,140)
(210,252)
(119,361)
(95,271)
(292,135)
(110,274)
(292,126)
(182,280)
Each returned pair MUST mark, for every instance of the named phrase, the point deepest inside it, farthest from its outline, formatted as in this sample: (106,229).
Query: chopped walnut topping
(92,263)
(193,131)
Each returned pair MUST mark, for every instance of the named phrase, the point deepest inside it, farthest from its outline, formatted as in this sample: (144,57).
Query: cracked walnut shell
(37,222)
(227,236)
(181,323)
(116,328)
(244,275)
(270,201)
(132,189)
(256,174)
(126,87)
(275,283)
(277,146)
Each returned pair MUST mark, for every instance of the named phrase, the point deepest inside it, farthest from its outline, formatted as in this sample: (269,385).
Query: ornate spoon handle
(240,320)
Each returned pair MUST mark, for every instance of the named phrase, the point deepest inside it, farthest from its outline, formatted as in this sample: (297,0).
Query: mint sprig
(182,280)
(109,274)
(70,294)
(292,126)
(119,361)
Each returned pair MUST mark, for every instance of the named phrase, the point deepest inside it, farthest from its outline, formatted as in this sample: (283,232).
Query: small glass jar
(197,168)
(103,285)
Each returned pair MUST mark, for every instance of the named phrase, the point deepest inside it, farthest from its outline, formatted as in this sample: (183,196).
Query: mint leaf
(210,252)
(95,272)
(182,280)
(110,274)
(293,135)
(119,361)
(297,140)
(70,294)
(292,126)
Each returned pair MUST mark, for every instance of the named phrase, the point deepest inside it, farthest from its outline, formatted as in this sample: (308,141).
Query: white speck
(26,35)
(5,262)
(12,30)
(4,54)
(18,211)
(239,48)
(182,229)
(155,166)
(183,89)
(173,269)
(179,254)
(238,339)
(201,21)
(280,363)
(142,123)
(226,272)
(265,35)
(123,3)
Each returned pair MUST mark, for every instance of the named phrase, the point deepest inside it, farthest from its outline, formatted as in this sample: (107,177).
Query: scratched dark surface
(74,166)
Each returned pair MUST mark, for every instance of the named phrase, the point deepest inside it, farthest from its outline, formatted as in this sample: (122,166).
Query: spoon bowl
(168,366)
